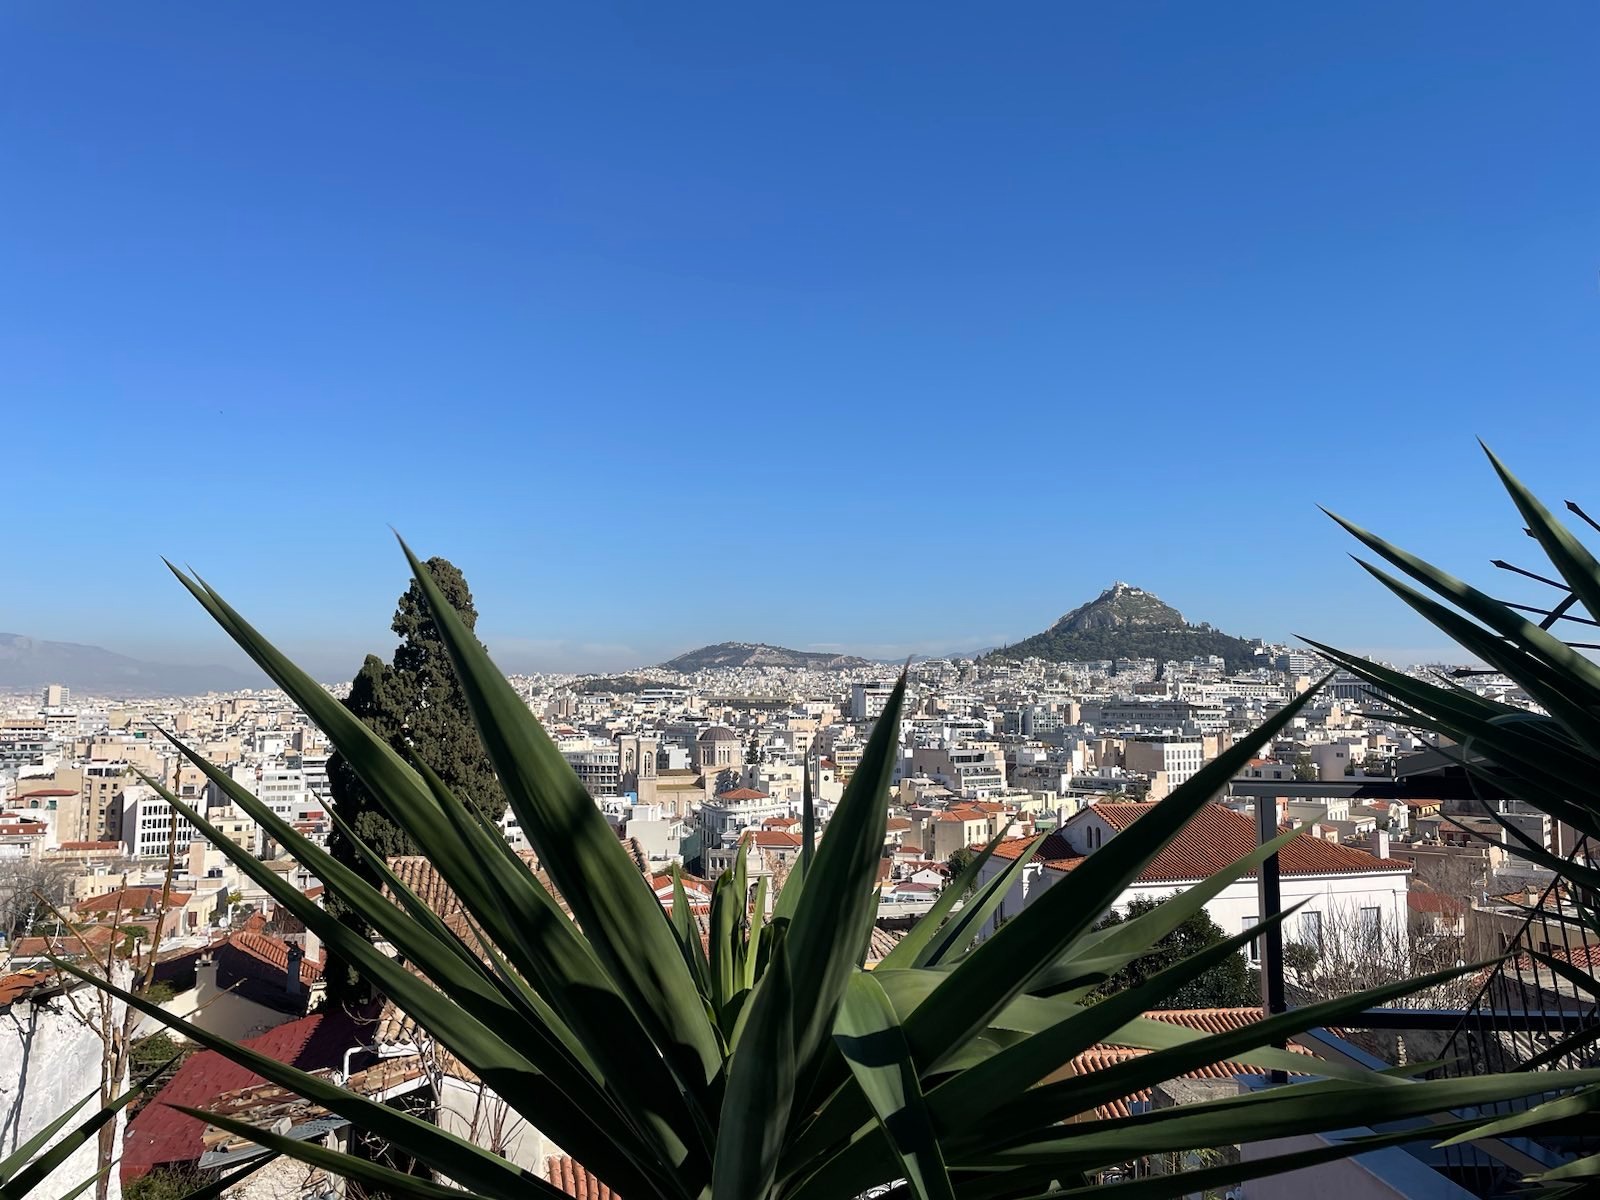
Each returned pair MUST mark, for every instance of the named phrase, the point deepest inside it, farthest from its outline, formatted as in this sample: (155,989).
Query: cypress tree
(416,705)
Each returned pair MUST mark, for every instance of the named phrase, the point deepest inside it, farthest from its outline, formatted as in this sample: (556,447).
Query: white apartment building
(737,810)
(972,772)
(1175,759)
(1340,884)
(867,700)
(149,824)
(281,788)
(596,764)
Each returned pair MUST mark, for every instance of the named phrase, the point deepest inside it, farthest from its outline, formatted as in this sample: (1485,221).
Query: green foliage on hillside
(1128,622)
(1163,645)
(759,654)
(619,685)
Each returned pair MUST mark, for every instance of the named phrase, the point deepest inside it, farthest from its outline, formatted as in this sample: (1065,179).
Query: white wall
(475,1113)
(49,1060)
(1238,901)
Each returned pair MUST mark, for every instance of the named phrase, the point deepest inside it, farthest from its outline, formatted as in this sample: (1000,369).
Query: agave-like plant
(1548,758)
(775,1066)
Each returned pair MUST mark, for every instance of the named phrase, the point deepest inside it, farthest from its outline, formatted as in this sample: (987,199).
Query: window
(1311,928)
(1371,923)
(1254,948)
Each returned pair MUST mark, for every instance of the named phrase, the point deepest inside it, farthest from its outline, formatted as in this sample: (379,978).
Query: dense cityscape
(755,602)
(708,765)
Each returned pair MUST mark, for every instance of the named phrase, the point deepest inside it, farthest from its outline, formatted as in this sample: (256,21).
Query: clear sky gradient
(891,327)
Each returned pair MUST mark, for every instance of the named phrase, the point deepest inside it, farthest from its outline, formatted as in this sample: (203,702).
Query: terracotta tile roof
(109,847)
(1012,847)
(160,1134)
(1118,815)
(775,839)
(66,945)
(132,900)
(266,1105)
(395,1026)
(743,793)
(1208,1020)
(898,823)
(1585,958)
(44,792)
(573,1178)
(423,878)
(274,953)
(1205,1020)
(20,984)
(1213,839)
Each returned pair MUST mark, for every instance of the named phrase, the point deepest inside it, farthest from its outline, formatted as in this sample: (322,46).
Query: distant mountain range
(27,662)
(759,654)
(1129,622)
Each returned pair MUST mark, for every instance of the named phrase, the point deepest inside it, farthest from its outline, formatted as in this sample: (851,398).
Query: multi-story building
(598,767)
(282,788)
(867,700)
(101,812)
(970,771)
(150,827)
(1339,885)
(1168,761)
(735,810)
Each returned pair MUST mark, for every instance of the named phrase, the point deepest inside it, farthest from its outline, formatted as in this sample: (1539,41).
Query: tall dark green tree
(416,705)
(1229,984)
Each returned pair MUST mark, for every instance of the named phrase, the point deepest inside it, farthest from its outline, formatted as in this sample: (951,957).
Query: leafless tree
(130,964)
(23,881)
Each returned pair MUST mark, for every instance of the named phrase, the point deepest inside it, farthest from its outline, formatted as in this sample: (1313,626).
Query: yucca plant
(773,1065)
(1548,758)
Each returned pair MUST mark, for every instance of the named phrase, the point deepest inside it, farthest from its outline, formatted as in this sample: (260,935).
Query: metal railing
(1532,1012)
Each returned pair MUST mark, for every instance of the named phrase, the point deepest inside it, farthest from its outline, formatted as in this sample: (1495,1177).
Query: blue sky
(893,327)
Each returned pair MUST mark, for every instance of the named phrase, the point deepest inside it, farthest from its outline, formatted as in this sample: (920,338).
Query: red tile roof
(1205,1020)
(274,953)
(743,794)
(66,945)
(133,900)
(775,839)
(1119,815)
(1213,839)
(160,1134)
(14,987)
(107,846)
(573,1178)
